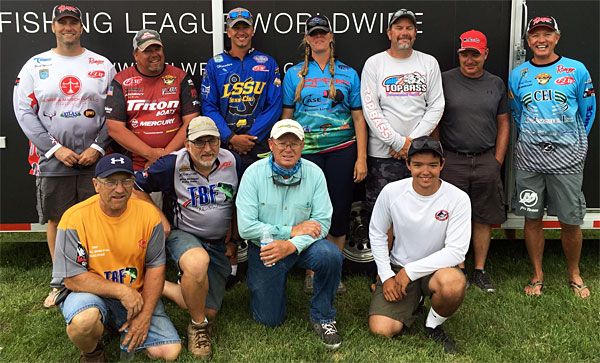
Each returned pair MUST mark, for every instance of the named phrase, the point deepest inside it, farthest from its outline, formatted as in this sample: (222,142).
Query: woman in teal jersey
(323,95)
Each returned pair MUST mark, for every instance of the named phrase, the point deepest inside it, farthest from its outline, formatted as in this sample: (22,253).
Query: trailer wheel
(357,250)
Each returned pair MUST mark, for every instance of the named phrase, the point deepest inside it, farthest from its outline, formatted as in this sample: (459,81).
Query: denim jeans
(268,284)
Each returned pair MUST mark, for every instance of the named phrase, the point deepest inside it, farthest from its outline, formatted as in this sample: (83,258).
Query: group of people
(135,165)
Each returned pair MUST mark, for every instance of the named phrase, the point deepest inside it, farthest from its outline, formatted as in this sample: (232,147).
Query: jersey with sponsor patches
(59,101)
(193,203)
(119,249)
(327,123)
(242,96)
(151,106)
(430,232)
(554,106)
(400,98)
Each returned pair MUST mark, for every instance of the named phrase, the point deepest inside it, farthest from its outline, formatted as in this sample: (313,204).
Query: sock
(434,319)
(233,270)
(205,321)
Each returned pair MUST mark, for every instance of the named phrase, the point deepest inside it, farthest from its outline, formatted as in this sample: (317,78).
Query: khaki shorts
(405,309)
(56,194)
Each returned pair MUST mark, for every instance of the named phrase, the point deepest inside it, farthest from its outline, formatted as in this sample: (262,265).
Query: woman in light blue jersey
(323,95)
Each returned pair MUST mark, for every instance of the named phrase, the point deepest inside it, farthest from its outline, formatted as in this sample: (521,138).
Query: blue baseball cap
(113,163)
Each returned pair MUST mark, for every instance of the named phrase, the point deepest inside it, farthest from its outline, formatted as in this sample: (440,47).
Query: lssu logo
(441,215)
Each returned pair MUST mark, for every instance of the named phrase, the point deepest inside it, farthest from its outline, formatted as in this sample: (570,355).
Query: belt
(470,155)
(212,241)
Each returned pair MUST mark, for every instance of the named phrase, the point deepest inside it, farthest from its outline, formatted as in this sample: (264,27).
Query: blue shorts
(219,267)
(161,329)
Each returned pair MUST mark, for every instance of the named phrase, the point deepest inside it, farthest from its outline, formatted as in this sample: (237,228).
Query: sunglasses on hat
(239,14)
(317,21)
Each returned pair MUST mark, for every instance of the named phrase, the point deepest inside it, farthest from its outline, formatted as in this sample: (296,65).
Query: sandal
(533,285)
(579,288)
(51,298)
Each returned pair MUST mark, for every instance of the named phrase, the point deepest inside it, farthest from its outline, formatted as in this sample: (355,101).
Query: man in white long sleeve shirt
(402,97)
(432,227)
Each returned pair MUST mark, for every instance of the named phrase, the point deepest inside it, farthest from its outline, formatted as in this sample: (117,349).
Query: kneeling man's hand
(137,331)
(389,290)
(276,251)
(131,300)
(402,281)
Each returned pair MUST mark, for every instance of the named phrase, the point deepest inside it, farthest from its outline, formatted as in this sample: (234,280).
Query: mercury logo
(528,198)
(119,160)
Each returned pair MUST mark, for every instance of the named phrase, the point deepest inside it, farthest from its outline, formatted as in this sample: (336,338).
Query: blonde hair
(304,70)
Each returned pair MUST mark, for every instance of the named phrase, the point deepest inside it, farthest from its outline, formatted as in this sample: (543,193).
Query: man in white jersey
(431,221)
(401,90)
(59,103)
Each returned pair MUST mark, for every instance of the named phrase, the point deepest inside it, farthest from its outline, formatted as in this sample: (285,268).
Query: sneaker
(232,280)
(199,340)
(480,279)
(308,284)
(438,335)
(97,356)
(328,333)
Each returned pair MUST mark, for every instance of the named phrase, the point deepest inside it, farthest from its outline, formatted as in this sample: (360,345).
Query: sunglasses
(318,21)
(427,144)
(236,14)
(403,12)
(278,182)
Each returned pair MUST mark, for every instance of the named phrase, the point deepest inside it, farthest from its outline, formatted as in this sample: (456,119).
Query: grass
(501,327)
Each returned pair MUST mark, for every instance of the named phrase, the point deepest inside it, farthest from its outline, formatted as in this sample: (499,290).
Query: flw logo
(96,74)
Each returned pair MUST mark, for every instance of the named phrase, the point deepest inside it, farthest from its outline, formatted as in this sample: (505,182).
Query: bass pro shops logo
(527,199)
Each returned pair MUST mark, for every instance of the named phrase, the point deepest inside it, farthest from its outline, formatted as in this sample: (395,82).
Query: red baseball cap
(473,39)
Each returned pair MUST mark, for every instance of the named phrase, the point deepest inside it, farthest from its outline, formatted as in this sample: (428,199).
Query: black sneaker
(328,333)
(440,336)
(232,280)
(480,279)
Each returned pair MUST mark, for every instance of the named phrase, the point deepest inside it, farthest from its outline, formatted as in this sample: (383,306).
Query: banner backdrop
(186,30)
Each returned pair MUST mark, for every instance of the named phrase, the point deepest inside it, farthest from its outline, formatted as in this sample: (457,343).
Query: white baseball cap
(287,126)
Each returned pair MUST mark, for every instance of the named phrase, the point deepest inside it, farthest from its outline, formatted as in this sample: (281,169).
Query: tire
(357,250)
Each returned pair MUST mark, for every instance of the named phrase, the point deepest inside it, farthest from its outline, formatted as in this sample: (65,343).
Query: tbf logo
(115,160)
(528,198)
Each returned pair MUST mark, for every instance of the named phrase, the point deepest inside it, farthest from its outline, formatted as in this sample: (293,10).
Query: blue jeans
(268,284)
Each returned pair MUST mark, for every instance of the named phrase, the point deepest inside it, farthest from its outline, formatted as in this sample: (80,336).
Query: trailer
(192,32)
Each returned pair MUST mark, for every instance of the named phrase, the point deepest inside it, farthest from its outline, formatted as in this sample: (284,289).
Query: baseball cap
(403,13)
(239,14)
(473,39)
(144,38)
(317,22)
(60,11)
(425,143)
(546,21)
(113,163)
(202,126)
(287,126)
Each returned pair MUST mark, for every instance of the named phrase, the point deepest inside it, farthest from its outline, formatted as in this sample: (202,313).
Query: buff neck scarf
(281,171)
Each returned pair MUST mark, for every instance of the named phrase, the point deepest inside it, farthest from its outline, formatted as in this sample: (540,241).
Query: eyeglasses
(112,183)
(201,143)
(236,14)
(282,146)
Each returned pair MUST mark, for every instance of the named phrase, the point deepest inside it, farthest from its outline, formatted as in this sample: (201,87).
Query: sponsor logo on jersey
(70,114)
(589,113)
(95,61)
(205,90)
(132,81)
(374,114)
(50,114)
(563,81)
(546,147)
(166,122)
(107,109)
(70,85)
(96,74)
(524,72)
(169,90)
(134,123)
(411,84)
(343,67)
(277,81)
(510,94)
(218,58)
(218,66)
(241,122)
(441,215)
(260,68)
(17,81)
(226,189)
(201,195)
(560,69)
(546,95)
(134,91)
(39,60)
(44,73)
(81,258)
(528,198)
(89,113)
(190,82)
(589,92)
(248,87)
(120,275)
(142,244)
(589,80)
(260,58)
(136,105)
(168,79)
(543,78)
